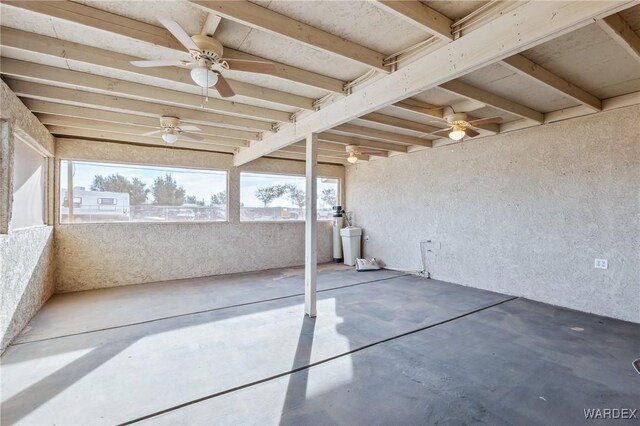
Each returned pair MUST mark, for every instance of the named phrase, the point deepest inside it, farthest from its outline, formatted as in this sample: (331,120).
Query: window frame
(339,195)
(59,201)
(20,137)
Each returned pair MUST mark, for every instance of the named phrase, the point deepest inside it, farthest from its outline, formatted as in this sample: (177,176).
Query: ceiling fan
(208,62)
(353,151)
(170,129)
(461,127)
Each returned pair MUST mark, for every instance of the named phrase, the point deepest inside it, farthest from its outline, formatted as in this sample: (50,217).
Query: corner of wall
(26,256)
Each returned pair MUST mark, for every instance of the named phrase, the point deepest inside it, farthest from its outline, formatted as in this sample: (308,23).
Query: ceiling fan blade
(192,136)
(155,132)
(251,66)
(373,153)
(157,63)
(471,133)
(189,128)
(482,121)
(223,87)
(180,34)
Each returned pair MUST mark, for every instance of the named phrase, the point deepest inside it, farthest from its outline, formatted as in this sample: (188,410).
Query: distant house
(89,204)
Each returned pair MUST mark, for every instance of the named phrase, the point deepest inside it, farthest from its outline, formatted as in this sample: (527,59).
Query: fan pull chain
(207,89)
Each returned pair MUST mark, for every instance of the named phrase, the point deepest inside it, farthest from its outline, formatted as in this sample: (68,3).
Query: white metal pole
(310,241)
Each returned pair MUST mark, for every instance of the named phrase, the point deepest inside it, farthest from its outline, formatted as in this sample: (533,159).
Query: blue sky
(198,182)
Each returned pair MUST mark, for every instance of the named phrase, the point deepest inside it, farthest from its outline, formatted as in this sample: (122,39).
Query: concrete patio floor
(386,348)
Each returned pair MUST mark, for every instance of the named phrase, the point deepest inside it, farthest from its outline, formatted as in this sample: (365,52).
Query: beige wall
(26,255)
(106,255)
(524,213)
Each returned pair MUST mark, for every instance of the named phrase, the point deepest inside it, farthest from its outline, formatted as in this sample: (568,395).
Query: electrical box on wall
(601,264)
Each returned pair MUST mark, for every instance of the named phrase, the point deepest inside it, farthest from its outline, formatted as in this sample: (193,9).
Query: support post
(311,224)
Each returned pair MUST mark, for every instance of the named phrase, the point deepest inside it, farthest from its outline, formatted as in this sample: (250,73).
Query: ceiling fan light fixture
(352,158)
(457,133)
(169,137)
(204,77)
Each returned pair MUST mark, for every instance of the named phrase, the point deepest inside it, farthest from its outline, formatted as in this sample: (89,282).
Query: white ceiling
(591,60)
(588,57)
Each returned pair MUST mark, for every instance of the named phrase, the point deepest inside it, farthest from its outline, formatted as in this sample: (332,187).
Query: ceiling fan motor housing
(210,48)
(169,123)
(458,119)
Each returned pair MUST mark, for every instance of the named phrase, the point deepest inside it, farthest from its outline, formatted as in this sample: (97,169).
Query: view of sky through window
(282,197)
(108,192)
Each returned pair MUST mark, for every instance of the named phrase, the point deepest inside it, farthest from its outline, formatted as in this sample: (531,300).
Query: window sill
(282,221)
(179,222)
(26,229)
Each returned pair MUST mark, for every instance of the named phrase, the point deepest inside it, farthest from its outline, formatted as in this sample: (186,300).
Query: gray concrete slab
(120,374)
(521,362)
(78,312)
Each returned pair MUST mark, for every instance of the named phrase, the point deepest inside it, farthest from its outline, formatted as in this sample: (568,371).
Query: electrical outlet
(601,264)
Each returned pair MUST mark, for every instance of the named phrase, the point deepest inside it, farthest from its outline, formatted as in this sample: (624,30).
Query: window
(281,197)
(29,186)
(108,201)
(108,192)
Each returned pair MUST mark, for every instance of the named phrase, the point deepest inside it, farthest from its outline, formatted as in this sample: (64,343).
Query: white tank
(351,241)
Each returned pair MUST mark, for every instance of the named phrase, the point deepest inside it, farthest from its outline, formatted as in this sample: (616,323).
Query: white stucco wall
(524,213)
(113,254)
(26,255)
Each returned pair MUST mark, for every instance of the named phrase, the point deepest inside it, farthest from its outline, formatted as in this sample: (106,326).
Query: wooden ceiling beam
(91,82)
(69,51)
(528,68)
(527,26)
(368,132)
(110,103)
(302,157)
(618,29)
(296,75)
(325,152)
(365,143)
(420,15)
(264,19)
(148,33)
(128,129)
(102,136)
(327,146)
(608,104)
(337,148)
(56,113)
(419,107)
(467,105)
(398,123)
(491,10)
(468,91)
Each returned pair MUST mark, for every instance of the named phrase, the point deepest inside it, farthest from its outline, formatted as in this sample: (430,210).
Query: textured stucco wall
(26,256)
(106,255)
(524,213)
(11,108)
(27,263)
